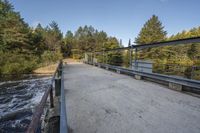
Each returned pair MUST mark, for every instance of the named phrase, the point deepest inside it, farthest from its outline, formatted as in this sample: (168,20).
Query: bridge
(101,101)
(101,98)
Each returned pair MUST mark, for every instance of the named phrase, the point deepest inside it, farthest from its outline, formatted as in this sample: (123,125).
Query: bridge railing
(63,115)
(128,60)
(57,78)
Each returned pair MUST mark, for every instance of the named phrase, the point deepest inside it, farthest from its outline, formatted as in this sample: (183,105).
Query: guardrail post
(136,50)
(60,69)
(130,56)
(118,71)
(192,72)
(51,97)
(106,58)
(58,80)
(175,86)
(59,72)
(57,86)
(138,77)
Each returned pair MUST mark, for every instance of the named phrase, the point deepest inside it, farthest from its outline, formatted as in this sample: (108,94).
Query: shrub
(16,63)
(49,57)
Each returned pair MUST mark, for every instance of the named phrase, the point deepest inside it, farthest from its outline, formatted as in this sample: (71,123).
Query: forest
(24,48)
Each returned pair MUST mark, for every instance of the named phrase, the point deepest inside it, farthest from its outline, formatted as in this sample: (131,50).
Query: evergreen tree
(23,48)
(14,32)
(53,37)
(38,40)
(100,39)
(113,57)
(126,55)
(186,54)
(152,31)
(68,43)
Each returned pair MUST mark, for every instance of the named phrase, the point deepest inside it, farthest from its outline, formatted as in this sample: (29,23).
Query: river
(18,100)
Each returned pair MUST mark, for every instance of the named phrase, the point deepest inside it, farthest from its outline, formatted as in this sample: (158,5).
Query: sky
(120,18)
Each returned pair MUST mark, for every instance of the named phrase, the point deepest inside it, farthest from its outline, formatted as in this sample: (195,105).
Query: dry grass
(50,69)
(46,70)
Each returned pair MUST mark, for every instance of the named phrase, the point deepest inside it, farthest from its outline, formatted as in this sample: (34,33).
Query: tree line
(182,60)
(23,48)
(153,31)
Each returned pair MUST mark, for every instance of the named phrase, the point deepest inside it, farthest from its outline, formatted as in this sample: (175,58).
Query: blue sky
(120,18)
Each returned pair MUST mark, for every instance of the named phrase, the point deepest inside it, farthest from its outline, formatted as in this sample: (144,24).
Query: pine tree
(113,57)
(53,37)
(13,30)
(152,31)
(68,43)
(38,40)
(126,55)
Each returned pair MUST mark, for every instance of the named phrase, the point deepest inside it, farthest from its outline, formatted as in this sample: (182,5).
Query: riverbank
(40,72)
(46,70)
(50,69)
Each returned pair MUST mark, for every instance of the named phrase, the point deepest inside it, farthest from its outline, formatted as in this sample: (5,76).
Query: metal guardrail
(36,118)
(63,116)
(168,43)
(178,80)
(157,44)
(159,77)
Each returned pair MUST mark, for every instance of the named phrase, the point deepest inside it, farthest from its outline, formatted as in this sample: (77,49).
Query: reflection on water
(17,101)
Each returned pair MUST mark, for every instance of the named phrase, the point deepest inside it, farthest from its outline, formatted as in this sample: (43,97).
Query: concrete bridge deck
(100,101)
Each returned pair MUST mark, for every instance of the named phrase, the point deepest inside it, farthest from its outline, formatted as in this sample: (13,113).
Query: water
(17,102)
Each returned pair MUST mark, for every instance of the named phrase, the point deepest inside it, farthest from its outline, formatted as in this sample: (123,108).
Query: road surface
(101,101)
